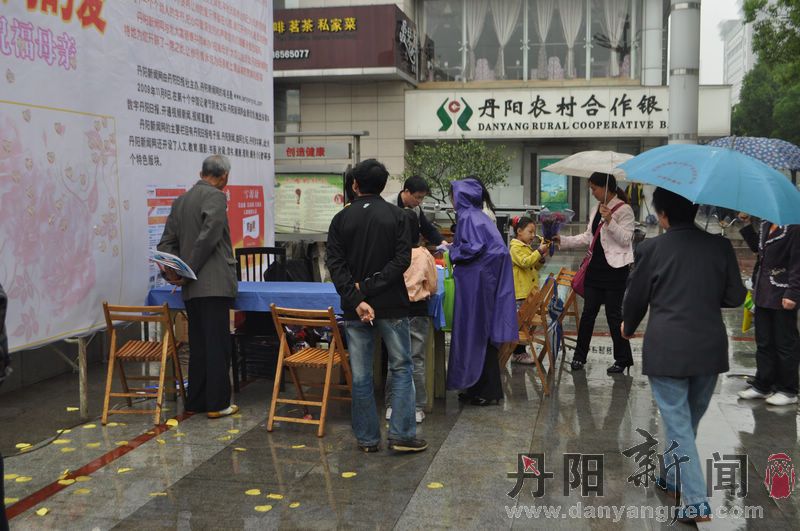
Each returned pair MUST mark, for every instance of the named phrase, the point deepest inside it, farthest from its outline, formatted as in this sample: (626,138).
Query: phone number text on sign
(291,54)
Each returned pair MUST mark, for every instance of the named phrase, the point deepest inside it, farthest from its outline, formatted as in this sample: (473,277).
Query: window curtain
(613,23)
(505,14)
(544,15)
(475,16)
(571,14)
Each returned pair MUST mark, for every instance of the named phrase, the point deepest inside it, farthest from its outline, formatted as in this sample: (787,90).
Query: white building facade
(542,78)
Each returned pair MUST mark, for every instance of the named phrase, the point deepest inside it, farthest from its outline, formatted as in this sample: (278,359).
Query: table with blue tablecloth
(257,297)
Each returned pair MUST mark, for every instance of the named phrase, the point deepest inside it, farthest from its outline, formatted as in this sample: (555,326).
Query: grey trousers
(418,327)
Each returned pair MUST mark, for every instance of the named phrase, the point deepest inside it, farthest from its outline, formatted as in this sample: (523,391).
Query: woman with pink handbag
(603,274)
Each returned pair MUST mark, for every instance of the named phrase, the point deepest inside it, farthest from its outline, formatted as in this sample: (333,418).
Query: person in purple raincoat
(485,314)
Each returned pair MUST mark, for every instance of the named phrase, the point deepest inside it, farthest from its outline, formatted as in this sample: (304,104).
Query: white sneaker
(751,392)
(388,413)
(781,399)
(420,415)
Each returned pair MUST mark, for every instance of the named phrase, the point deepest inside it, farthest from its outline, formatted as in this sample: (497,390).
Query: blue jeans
(360,344)
(418,328)
(683,402)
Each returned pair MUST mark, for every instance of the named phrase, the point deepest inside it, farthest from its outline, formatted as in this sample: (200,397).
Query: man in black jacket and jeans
(369,248)
(5,361)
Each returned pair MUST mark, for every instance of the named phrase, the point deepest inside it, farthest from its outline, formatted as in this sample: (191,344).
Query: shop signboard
(345,37)
(556,112)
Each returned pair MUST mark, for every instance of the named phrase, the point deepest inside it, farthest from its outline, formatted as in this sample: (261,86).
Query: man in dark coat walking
(684,276)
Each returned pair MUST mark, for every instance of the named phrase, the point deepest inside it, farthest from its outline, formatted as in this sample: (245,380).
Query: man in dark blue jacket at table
(368,250)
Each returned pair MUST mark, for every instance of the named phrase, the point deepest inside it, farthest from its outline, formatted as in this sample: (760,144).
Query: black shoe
(576,365)
(369,448)
(478,401)
(408,445)
(619,368)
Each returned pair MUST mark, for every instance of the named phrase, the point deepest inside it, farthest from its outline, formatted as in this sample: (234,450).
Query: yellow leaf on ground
(112,424)
(150,432)
(275,496)
(122,423)
(83,479)
(89,426)
(93,445)
(172,422)
(23,479)
(240,449)
(67,449)
(62,441)
(236,416)
(121,443)
(253,492)
(224,438)
(64,432)
(9,501)
(349,474)
(154,494)
(9,477)
(64,474)
(294,505)
(82,492)
(179,434)
(66,482)
(298,446)
(22,445)
(435,485)
(234,432)
(161,441)
(71,409)
(263,508)
(123,470)
(43,511)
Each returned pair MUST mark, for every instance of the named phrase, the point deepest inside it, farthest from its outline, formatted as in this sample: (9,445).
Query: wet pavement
(232,474)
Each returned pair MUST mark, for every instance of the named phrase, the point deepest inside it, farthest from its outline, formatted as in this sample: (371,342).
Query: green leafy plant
(441,162)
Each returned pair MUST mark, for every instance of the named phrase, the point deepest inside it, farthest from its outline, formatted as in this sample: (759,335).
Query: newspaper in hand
(173,262)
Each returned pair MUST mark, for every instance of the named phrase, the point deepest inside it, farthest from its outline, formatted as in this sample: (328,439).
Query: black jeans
(777,350)
(489,386)
(612,300)
(210,353)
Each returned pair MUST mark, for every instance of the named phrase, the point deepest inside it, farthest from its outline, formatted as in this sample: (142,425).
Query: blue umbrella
(779,154)
(718,176)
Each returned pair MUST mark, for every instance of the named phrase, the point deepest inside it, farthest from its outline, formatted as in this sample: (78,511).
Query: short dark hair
(415,184)
(675,207)
(601,179)
(371,176)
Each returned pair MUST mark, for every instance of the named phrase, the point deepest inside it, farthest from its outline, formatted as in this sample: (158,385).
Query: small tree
(443,161)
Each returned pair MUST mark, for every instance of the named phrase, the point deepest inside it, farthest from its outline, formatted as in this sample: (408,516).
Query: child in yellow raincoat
(526,261)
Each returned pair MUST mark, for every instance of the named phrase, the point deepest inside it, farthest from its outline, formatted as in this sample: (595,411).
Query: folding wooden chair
(532,318)
(564,278)
(317,358)
(162,352)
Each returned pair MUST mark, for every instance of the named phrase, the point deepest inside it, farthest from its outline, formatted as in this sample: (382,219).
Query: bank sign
(551,112)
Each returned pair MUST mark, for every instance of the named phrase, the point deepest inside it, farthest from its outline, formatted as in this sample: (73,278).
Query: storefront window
(287,109)
(484,40)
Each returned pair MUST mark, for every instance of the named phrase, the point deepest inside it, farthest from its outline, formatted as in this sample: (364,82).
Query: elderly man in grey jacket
(684,276)
(197,230)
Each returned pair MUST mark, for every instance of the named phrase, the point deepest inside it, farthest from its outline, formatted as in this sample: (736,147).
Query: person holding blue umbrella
(776,292)
(684,277)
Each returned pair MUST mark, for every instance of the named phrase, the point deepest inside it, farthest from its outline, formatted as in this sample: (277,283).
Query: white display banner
(561,112)
(98,101)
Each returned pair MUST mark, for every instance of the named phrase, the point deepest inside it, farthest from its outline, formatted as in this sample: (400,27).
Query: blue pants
(360,344)
(683,402)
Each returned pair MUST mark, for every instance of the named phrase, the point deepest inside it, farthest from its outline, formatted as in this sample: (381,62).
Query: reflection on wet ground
(232,474)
